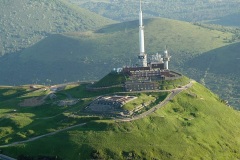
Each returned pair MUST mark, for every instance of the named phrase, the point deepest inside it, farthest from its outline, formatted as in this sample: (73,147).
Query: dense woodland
(187,10)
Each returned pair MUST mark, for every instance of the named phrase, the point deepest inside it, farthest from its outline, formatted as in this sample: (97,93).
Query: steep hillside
(219,69)
(194,125)
(25,22)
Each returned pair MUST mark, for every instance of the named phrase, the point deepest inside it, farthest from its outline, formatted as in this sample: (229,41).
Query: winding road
(173,93)
(4,157)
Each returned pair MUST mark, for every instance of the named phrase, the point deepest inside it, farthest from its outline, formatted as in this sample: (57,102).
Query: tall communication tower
(142,55)
(166,58)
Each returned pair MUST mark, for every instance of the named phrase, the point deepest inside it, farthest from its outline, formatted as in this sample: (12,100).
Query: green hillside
(91,55)
(196,124)
(219,69)
(111,79)
(118,79)
(25,22)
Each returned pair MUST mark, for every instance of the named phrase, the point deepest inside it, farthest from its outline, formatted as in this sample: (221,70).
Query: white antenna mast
(142,56)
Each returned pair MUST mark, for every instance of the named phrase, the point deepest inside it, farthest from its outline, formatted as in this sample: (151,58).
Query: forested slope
(25,22)
(187,10)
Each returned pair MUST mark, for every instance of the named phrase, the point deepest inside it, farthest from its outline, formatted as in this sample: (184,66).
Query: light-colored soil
(32,102)
(67,102)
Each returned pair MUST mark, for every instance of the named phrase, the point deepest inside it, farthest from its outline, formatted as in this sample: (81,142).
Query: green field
(196,124)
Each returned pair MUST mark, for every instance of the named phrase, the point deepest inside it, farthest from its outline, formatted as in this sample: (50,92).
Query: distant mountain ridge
(25,22)
(185,10)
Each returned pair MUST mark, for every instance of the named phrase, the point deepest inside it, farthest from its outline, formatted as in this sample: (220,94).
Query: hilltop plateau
(25,22)
(90,55)
(193,124)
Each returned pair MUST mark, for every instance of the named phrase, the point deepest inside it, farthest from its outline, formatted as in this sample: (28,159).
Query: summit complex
(149,71)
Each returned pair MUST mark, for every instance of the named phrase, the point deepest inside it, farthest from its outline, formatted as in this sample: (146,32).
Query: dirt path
(45,135)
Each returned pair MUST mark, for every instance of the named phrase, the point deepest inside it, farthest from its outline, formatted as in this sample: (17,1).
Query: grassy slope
(195,125)
(171,84)
(111,79)
(21,28)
